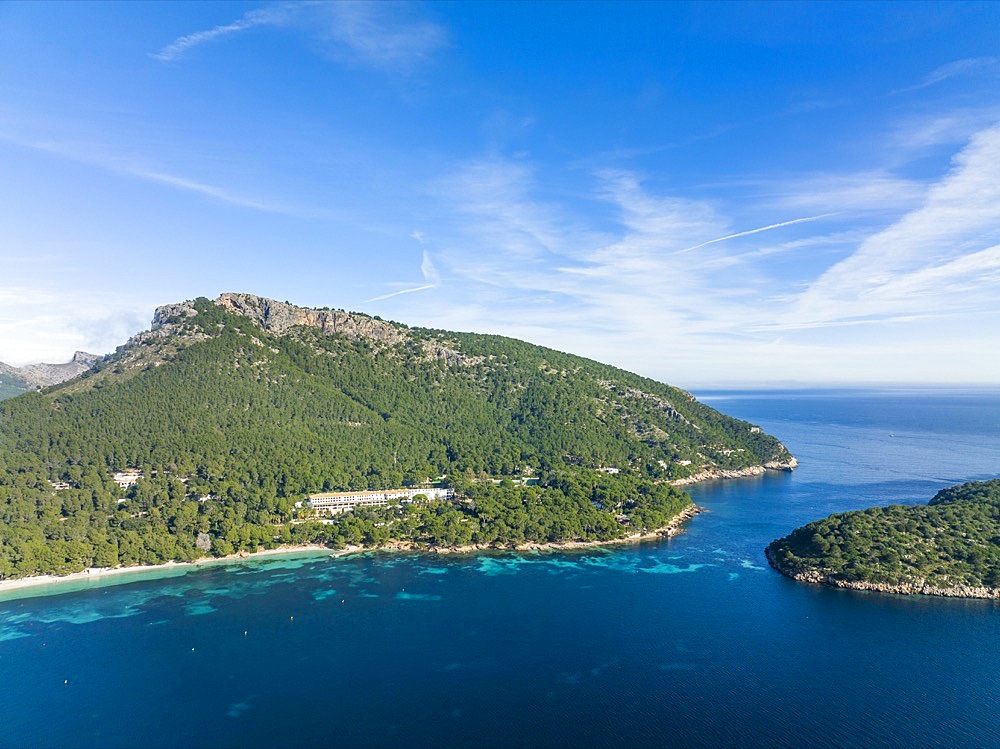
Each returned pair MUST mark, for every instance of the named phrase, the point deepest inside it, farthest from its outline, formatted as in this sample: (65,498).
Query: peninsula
(949,547)
(206,435)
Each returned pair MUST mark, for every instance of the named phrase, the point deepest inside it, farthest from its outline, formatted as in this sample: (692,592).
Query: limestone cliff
(280,317)
(44,375)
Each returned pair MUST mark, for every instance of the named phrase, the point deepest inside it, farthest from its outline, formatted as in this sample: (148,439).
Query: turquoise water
(689,642)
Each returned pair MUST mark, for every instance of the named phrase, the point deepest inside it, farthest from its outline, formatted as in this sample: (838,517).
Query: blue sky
(707,193)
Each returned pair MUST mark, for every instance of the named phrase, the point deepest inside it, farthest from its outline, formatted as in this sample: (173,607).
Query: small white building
(128,478)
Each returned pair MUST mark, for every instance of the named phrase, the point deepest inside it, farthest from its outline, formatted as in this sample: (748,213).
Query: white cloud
(97,155)
(967,66)
(662,284)
(853,193)
(955,126)
(211,191)
(275,16)
(383,35)
(495,206)
(387,36)
(922,262)
(49,325)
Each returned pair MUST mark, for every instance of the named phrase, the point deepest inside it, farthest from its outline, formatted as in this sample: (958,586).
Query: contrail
(397,293)
(427,270)
(754,231)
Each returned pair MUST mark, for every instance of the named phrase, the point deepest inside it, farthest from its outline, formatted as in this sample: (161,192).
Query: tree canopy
(952,541)
(231,424)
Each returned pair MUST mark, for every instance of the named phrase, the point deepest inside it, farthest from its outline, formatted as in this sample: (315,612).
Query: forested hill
(236,409)
(951,546)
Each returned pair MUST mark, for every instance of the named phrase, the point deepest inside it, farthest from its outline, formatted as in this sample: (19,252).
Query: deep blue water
(690,642)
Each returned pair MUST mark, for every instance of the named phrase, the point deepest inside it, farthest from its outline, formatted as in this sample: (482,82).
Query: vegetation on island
(232,425)
(951,543)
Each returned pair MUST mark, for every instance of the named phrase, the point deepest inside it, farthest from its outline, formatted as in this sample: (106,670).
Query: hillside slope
(250,404)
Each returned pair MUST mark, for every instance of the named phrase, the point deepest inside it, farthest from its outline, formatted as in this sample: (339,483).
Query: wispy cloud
(274,16)
(387,36)
(932,259)
(496,201)
(383,35)
(615,277)
(967,66)
(48,325)
(211,191)
(853,193)
(100,156)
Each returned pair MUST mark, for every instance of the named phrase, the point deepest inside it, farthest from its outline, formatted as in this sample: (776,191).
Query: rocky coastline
(917,587)
(715,474)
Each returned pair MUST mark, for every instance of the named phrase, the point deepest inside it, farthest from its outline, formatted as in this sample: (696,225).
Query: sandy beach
(100,576)
(96,577)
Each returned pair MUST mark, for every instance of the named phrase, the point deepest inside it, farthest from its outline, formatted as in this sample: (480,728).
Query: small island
(948,547)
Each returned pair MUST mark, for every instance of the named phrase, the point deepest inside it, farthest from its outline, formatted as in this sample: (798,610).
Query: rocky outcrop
(167,324)
(711,474)
(168,312)
(281,317)
(916,587)
(44,375)
(438,351)
(782,465)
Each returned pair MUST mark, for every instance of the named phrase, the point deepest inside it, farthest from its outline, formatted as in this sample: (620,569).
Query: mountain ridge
(30,376)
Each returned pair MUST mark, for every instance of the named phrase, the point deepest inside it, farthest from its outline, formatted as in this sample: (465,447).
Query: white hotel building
(334,502)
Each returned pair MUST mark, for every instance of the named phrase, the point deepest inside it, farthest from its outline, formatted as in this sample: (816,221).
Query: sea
(689,642)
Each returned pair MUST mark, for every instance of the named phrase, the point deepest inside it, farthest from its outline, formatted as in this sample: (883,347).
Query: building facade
(344,501)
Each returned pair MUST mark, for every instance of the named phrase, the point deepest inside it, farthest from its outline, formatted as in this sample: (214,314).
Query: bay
(692,642)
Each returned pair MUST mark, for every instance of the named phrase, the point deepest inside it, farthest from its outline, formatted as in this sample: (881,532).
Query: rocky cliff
(280,317)
(44,375)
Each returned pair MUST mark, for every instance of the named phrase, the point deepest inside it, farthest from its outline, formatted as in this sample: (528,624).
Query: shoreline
(719,474)
(94,577)
(814,577)
(669,530)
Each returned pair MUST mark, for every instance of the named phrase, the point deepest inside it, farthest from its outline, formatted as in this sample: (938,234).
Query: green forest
(232,425)
(952,541)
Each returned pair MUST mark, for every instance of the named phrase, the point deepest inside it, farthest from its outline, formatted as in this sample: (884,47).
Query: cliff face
(280,317)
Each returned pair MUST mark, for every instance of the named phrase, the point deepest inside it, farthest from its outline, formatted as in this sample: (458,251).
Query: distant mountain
(16,380)
(949,547)
(249,405)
